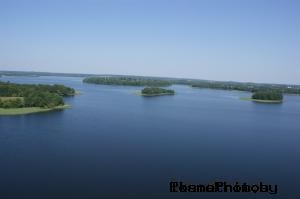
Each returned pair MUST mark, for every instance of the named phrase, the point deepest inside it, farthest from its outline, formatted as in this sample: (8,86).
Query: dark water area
(113,143)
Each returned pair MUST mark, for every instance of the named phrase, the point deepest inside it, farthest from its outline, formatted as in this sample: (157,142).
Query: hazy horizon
(244,41)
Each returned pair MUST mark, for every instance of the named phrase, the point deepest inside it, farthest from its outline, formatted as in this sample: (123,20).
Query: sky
(231,40)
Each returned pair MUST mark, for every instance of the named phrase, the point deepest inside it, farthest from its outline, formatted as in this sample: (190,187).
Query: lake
(116,144)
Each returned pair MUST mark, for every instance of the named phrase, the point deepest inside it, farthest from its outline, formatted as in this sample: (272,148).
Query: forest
(153,91)
(127,81)
(28,95)
(268,95)
(250,87)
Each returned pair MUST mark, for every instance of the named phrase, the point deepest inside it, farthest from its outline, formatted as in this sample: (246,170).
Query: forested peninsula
(127,81)
(30,98)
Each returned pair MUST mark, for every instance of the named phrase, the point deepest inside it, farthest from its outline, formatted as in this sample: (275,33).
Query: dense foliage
(128,81)
(12,103)
(267,95)
(8,89)
(28,95)
(43,99)
(156,91)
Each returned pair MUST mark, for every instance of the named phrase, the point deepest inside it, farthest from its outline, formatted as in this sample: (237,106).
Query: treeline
(127,81)
(156,91)
(8,89)
(224,86)
(268,95)
(28,95)
(250,87)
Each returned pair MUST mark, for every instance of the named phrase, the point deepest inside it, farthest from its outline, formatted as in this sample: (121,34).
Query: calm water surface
(115,144)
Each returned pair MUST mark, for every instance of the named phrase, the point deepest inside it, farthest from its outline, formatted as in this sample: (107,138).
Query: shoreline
(152,95)
(263,101)
(30,110)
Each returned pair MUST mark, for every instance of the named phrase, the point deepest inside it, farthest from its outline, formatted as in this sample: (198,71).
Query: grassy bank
(29,110)
(263,101)
(77,92)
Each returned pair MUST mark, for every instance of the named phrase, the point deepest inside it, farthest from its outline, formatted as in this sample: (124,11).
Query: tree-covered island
(29,98)
(267,97)
(155,91)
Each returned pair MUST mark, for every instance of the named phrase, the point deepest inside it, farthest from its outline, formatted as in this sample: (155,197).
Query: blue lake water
(115,144)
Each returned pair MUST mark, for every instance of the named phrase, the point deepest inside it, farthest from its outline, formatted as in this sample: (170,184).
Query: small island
(16,99)
(155,91)
(267,97)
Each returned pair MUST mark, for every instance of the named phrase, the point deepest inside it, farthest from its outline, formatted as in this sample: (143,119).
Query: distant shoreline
(61,74)
(133,80)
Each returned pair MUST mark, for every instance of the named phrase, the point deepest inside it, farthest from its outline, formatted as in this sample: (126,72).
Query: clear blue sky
(241,40)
